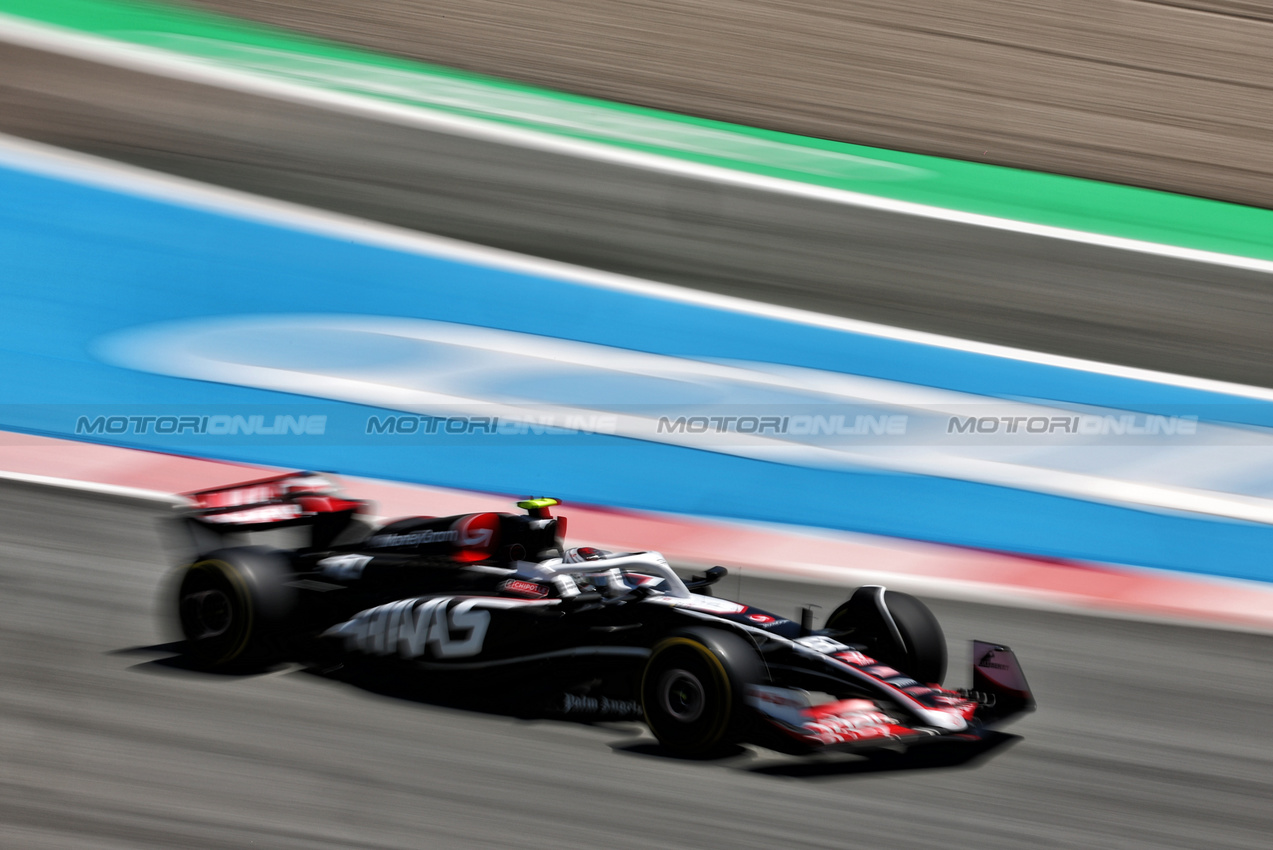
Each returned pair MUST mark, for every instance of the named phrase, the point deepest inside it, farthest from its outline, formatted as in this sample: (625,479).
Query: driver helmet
(585,553)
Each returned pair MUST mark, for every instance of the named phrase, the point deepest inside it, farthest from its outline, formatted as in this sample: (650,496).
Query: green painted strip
(1014,194)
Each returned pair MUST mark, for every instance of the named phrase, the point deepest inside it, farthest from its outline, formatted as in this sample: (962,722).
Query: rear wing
(299,498)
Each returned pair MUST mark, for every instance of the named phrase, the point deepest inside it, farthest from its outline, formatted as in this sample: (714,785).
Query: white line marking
(130,180)
(132,57)
(93,487)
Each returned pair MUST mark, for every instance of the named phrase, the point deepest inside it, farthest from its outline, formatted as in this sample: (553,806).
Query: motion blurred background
(1159,94)
(1148,733)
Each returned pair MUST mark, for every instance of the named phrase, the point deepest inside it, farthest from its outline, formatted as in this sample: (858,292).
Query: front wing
(915,713)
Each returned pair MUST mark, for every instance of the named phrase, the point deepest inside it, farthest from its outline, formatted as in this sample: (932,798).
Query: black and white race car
(496,603)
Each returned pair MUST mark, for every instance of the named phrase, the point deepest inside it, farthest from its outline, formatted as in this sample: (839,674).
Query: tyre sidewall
(230,602)
(693,687)
(923,657)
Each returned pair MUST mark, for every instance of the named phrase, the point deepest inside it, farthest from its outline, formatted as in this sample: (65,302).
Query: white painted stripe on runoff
(26,33)
(59,163)
(139,493)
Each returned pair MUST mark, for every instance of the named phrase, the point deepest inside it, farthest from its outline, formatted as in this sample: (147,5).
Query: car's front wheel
(693,688)
(895,628)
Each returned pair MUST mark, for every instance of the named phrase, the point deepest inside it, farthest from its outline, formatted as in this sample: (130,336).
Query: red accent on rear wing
(292,498)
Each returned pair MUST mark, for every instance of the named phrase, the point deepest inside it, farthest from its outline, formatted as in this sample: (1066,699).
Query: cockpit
(611,575)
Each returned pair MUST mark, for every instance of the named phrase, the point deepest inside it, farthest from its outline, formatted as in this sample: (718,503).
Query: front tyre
(895,628)
(693,687)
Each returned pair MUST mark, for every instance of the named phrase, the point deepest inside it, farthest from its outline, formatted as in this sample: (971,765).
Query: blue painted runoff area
(82,263)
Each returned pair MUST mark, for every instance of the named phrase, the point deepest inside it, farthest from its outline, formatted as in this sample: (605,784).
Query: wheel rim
(208,613)
(681,695)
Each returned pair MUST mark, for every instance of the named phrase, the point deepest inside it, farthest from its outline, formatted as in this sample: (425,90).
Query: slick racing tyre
(693,687)
(231,605)
(894,628)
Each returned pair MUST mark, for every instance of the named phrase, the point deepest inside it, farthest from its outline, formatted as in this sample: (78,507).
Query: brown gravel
(1171,95)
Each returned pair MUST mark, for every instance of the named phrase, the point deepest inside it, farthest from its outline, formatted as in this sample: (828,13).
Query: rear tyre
(693,688)
(896,629)
(232,605)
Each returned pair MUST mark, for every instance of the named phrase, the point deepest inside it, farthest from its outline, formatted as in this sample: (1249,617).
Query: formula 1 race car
(495,602)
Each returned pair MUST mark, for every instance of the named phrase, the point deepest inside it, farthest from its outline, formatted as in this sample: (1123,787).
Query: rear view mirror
(709,578)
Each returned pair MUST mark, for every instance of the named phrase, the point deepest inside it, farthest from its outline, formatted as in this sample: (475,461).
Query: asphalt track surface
(1147,736)
(969,282)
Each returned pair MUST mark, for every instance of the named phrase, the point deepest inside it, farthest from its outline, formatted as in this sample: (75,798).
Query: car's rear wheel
(896,629)
(693,688)
(231,604)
